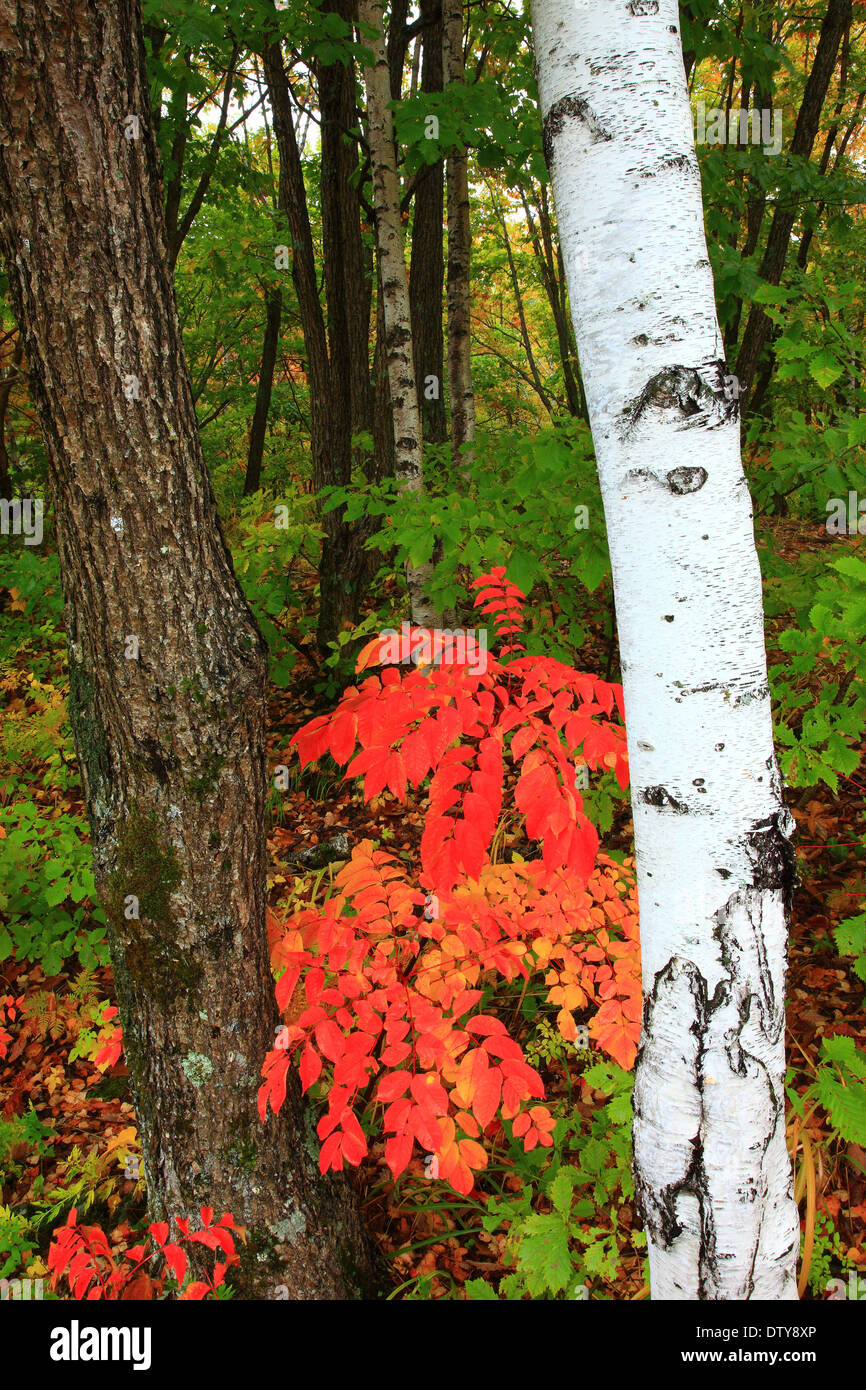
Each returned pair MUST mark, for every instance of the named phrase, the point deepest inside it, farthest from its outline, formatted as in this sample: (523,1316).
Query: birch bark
(395,288)
(715,869)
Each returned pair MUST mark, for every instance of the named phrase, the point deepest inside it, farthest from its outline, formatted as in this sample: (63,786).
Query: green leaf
(561,1190)
(620,1110)
(543,1255)
(845,1105)
(845,1053)
(824,369)
(56,893)
(523,570)
(479,1291)
(851,939)
(850,565)
(52,961)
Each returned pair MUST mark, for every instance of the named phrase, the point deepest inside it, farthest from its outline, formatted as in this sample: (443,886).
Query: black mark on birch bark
(759,692)
(683,480)
(699,394)
(662,799)
(569,108)
(682,162)
(771,854)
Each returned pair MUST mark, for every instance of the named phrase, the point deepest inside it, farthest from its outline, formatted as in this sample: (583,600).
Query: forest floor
(87,1148)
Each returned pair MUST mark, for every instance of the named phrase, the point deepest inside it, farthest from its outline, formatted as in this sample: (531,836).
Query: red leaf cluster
(390,997)
(9,1010)
(82,1256)
(110,1039)
(459,724)
(389,993)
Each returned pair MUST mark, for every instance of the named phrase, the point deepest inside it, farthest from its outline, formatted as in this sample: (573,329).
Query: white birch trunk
(395,290)
(715,869)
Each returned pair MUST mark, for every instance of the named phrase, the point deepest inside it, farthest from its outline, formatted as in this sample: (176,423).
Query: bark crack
(706,1114)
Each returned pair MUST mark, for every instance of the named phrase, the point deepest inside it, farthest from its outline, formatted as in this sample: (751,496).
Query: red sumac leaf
(310,1068)
(330,1040)
(392,1086)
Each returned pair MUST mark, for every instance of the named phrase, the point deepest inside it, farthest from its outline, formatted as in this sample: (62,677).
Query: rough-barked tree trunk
(714,864)
(167,668)
(395,289)
(460,391)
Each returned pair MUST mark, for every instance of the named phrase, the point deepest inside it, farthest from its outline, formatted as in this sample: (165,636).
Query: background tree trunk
(460,390)
(348,271)
(427,265)
(343,563)
(270,344)
(11,370)
(553,278)
(714,866)
(395,293)
(169,727)
(836,22)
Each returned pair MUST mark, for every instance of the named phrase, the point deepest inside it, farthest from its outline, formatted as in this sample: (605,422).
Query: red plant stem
(411,1022)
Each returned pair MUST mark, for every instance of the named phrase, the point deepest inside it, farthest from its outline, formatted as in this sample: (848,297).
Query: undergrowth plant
(840,1088)
(393,989)
(47,893)
(563,1228)
(82,1257)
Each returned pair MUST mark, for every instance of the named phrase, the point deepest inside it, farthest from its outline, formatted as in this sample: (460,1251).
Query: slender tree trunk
(552,277)
(383,413)
(336,600)
(270,344)
(688,54)
(427,265)
(167,669)
(338,356)
(756,200)
(6,387)
(398,44)
(459,257)
(179,230)
(715,868)
(853,126)
(836,22)
(335,605)
(348,277)
(521,313)
(395,292)
(348,267)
